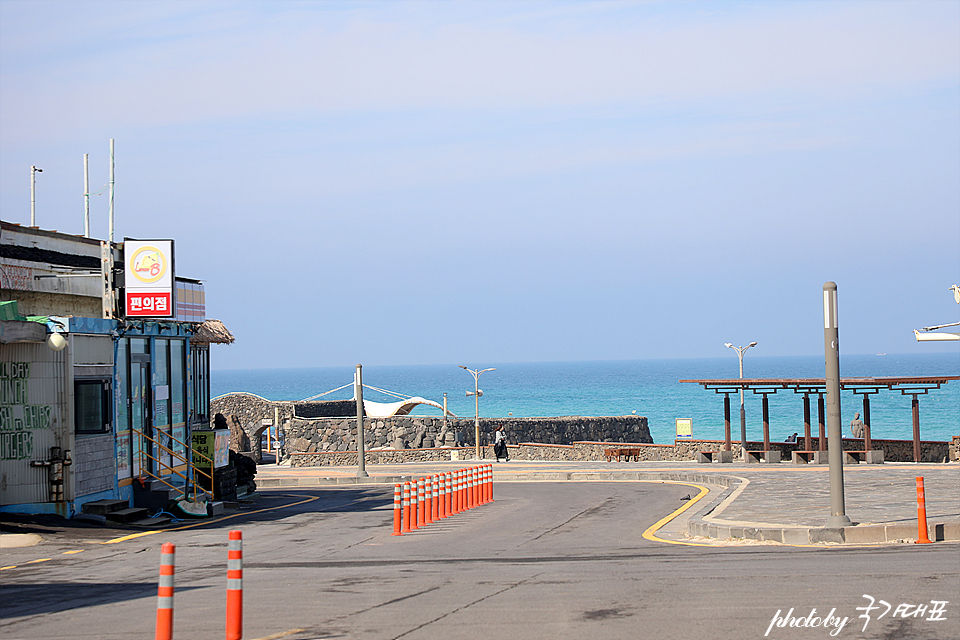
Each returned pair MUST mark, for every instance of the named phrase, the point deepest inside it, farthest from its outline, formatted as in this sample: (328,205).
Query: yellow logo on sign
(148,264)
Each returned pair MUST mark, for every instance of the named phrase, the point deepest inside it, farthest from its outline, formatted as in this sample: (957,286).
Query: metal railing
(160,464)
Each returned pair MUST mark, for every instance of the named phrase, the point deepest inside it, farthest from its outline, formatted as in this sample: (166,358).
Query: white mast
(112,180)
(86,195)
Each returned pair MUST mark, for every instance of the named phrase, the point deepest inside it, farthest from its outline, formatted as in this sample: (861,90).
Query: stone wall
(682,450)
(406,432)
(524,451)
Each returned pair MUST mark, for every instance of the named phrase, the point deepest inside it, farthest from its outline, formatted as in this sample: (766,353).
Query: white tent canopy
(403,407)
(389,409)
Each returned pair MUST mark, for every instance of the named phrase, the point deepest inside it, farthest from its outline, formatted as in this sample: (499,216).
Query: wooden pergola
(907,386)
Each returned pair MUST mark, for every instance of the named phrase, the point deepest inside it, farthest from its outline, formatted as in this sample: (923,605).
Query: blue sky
(471,182)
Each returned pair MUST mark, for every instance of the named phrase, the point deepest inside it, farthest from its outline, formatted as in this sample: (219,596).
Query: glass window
(120,387)
(201,383)
(161,381)
(121,410)
(178,393)
(92,406)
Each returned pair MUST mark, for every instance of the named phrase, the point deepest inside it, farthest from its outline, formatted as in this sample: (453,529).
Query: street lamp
(743,413)
(33,194)
(476,393)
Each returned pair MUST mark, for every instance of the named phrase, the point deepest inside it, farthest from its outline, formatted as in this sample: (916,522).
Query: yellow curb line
(656,526)
(649,533)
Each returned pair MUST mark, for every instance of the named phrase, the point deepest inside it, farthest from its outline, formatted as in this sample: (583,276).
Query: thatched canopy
(212,332)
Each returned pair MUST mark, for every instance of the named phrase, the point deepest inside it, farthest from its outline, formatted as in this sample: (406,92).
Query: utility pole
(358,393)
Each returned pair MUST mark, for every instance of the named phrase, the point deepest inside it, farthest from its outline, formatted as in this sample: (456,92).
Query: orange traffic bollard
(454,492)
(448,481)
(921,514)
(414,505)
(428,511)
(397,510)
(486,486)
(435,479)
(406,508)
(442,481)
(235,586)
(165,592)
(472,500)
(491,483)
(483,484)
(421,502)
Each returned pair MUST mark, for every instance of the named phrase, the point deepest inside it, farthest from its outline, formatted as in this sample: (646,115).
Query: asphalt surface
(880,500)
(546,559)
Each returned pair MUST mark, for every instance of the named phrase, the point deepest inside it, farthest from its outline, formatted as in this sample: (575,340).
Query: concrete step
(103,507)
(127,515)
(159,485)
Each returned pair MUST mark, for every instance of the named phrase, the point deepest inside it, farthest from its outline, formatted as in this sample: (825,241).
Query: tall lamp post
(476,393)
(33,194)
(743,413)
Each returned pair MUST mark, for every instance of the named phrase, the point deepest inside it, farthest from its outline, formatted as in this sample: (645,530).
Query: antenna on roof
(112,180)
(86,195)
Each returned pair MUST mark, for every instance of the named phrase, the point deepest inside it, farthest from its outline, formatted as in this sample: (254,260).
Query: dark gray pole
(743,429)
(361,455)
(831,349)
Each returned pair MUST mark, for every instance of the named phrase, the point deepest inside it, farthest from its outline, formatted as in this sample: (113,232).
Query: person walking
(500,445)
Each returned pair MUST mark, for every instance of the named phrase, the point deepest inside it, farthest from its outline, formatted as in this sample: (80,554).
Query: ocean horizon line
(484,363)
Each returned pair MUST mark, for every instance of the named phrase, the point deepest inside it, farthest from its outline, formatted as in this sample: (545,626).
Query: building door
(141,416)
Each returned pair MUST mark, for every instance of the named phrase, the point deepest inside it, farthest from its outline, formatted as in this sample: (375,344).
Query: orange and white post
(421,502)
(235,586)
(491,483)
(454,492)
(414,505)
(442,509)
(921,514)
(448,481)
(406,508)
(472,499)
(488,486)
(428,505)
(165,592)
(397,509)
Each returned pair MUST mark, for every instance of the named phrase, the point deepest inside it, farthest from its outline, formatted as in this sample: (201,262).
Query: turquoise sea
(648,387)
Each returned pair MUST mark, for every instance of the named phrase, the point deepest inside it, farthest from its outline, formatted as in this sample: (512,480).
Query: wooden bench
(621,452)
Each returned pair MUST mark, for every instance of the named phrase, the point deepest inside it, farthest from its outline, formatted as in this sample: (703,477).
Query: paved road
(546,560)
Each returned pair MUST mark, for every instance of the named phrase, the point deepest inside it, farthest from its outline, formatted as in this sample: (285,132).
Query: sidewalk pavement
(782,502)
